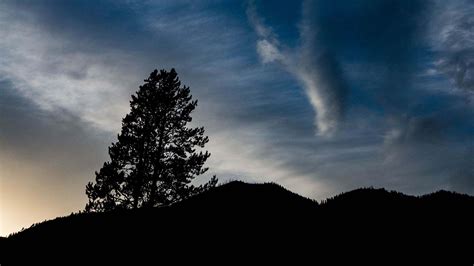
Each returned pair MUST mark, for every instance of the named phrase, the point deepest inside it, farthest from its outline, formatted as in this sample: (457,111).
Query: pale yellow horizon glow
(30,193)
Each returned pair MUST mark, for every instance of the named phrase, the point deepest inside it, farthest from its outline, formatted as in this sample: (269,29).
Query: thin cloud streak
(452,39)
(314,67)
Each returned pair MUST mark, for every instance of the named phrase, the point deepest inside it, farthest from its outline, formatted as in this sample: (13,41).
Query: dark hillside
(265,217)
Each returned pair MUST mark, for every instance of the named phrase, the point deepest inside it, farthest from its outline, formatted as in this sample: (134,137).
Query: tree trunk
(157,165)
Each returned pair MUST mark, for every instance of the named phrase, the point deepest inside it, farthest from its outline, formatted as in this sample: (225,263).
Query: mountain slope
(265,217)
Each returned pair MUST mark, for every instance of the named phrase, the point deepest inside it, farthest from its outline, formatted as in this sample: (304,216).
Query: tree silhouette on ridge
(155,158)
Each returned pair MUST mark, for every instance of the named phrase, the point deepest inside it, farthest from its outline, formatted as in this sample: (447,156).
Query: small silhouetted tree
(155,158)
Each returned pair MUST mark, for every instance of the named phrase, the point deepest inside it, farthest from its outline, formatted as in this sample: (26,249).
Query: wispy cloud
(452,38)
(311,64)
(378,47)
(90,84)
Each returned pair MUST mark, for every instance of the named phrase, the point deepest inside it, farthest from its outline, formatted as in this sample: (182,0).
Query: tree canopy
(156,156)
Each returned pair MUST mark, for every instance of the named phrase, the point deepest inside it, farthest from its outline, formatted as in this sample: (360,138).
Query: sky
(319,96)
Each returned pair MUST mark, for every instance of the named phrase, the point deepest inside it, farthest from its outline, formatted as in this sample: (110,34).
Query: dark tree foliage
(155,157)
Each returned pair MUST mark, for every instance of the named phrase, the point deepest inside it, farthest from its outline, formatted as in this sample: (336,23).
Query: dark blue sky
(319,96)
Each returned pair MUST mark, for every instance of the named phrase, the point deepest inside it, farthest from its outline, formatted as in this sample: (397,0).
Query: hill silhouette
(247,218)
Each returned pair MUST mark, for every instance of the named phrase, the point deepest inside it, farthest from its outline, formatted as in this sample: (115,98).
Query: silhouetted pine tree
(155,157)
